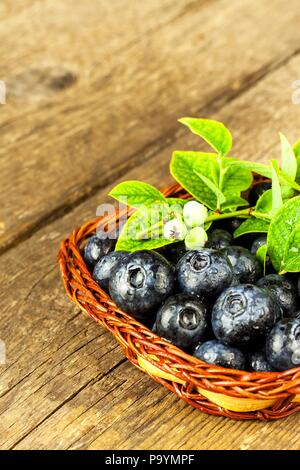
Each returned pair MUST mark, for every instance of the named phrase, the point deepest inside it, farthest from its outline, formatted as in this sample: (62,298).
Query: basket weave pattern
(140,343)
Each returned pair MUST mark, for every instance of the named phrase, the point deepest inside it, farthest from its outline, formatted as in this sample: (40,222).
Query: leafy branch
(218,183)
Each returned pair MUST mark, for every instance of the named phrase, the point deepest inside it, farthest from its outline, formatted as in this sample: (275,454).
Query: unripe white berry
(194,214)
(175,229)
(196,239)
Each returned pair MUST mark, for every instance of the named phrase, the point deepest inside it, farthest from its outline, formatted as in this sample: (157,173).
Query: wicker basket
(212,389)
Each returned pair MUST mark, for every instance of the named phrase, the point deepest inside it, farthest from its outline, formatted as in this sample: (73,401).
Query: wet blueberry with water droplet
(283,344)
(243,314)
(245,266)
(214,352)
(218,239)
(204,272)
(96,248)
(104,267)
(182,320)
(230,225)
(283,291)
(140,282)
(257,243)
(174,252)
(258,361)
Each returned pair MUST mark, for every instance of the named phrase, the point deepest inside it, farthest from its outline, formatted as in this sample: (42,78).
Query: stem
(243,212)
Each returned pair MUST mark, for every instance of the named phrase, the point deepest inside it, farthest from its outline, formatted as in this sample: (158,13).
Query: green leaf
(259,168)
(235,180)
(290,183)
(213,132)
(292,255)
(174,201)
(182,169)
(261,255)
(283,237)
(145,223)
(207,226)
(296,150)
(286,191)
(288,159)
(298,170)
(264,203)
(143,230)
(136,193)
(288,172)
(220,196)
(127,244)
(232,202)
(207,164)
(252,225)
(276,189)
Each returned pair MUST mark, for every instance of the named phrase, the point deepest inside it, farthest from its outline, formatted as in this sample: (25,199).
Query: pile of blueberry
(213,303)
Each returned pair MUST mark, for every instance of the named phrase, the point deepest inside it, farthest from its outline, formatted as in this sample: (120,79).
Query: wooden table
(94,90)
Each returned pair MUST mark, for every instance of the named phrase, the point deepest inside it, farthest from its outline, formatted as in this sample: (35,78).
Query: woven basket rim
(137,340)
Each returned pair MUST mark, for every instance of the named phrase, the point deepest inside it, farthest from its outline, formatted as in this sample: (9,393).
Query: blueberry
(246,268)
(230,225)
(204,272)
(258,361)
(243,314)
(283,344)
(235,281)
(174,252)
(257,243)
(218,239)
(104,267)
(214,352)
(234,223)
(258,190)
(140,282)
(283,291)
(182,320)
(96,248)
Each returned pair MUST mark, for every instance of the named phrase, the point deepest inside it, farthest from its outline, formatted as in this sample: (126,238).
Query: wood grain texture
(65,385)
(95,89)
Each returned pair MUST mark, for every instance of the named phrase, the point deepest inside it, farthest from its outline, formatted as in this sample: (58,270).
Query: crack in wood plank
(90,382)
(96,402)
(131,405)
(42,278)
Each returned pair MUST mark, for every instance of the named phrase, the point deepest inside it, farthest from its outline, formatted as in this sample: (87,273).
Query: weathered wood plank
(9,9)
(110,103)
(55,79)
(57,390)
